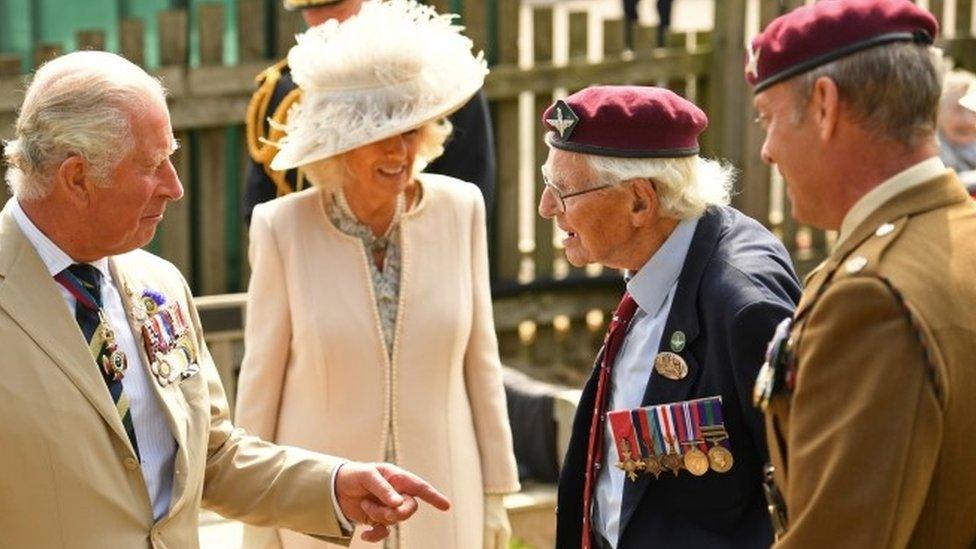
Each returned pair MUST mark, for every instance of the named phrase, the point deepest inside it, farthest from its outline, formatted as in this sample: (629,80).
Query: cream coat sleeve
(483,373)
(255,481)
(267,333)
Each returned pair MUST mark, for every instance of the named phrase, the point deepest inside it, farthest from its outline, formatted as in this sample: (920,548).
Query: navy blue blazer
(736,285)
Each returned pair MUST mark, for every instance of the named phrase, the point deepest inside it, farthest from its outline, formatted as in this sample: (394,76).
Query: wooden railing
(550,316)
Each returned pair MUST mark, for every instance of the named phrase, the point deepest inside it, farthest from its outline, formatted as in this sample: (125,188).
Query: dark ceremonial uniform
(736,285)
(469,153)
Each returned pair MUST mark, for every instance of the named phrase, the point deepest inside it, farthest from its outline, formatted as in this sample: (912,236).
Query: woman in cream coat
(369,323)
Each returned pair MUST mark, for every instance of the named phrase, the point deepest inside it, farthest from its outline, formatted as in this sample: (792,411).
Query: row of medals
(696,462)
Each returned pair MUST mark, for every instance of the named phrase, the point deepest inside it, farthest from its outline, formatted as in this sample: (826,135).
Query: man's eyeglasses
(561,197)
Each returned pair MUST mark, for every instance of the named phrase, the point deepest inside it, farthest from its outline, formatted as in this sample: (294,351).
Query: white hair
(330,174)
(79,104)
(685,186)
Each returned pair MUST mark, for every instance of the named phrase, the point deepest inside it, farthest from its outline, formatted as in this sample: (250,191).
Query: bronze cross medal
(627,463)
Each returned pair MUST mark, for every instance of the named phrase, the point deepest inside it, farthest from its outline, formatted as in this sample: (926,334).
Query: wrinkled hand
(498,531)
(381,495)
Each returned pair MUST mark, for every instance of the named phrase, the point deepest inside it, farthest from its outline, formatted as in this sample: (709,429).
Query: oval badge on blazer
(671,365)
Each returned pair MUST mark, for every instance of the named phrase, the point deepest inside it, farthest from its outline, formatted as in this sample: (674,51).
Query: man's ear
(825,106)
(72,178)
(644,201)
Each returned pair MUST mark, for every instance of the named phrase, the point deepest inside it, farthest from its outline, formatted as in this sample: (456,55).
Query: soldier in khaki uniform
(870,392)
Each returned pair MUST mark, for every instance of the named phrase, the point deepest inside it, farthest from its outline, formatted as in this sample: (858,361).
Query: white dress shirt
(157,447)
(902,181)
(653,289)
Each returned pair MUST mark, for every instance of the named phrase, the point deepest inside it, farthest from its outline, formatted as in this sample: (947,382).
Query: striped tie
(84,283)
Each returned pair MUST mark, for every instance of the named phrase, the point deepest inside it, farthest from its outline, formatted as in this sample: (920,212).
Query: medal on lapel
(696,462)
(625,440)
(110,357)
(671,365)
(773,371)
(671,460)
(719,456)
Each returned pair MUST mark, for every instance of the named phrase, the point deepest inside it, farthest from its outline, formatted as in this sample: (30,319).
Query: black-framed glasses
(561,197)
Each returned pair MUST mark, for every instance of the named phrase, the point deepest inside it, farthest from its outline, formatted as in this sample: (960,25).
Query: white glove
(497,528)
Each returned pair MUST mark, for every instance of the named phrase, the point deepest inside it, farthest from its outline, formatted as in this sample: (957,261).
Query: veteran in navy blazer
(707,287)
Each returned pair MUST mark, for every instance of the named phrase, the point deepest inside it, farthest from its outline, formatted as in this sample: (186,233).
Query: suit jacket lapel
(683,317)
(130,285)
(31,297)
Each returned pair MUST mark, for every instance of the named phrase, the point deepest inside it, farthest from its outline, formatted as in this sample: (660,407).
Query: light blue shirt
(157,447)
(652,287)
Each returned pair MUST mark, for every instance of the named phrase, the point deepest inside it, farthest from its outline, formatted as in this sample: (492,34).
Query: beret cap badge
(563,120)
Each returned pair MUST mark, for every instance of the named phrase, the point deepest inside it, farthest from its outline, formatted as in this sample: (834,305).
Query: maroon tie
(594,454)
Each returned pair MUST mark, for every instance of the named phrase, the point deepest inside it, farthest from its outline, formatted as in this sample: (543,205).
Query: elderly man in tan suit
(114,424)
(870,393)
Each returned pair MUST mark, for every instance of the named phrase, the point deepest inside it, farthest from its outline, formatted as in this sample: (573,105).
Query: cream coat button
(131,463)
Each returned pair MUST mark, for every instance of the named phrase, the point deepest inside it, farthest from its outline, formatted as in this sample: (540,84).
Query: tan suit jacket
(873,447)
(70,477)
(314,349)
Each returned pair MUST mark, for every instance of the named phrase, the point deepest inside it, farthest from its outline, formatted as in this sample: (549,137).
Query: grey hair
(79,104)
(330,174)
(893,90)
(685,186)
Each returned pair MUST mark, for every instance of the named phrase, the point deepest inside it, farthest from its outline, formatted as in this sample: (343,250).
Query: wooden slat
(645,38)
(507,81)
(506,126)
(173,37)
(91,39)
(210,211)
(728,107)
(544,253)
(287,25)
(46,52)
(252,40)
(613,36)
(174,237)
(937,7)
(10,64)
(210,25)
(132,42)
(475,18)
(578,33)
(964,14)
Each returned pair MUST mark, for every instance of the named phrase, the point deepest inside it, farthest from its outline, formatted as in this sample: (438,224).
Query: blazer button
(131,463)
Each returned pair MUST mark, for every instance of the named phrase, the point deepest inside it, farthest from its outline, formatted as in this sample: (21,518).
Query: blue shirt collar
(652,283)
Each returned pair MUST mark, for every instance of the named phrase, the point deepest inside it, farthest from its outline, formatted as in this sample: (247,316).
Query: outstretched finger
(378,513)
(377,485)
(408,483)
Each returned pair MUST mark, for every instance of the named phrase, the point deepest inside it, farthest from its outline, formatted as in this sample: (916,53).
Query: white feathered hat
(391,68)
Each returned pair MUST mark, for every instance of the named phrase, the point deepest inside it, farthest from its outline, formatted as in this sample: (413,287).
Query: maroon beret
(814,35)
(625,121)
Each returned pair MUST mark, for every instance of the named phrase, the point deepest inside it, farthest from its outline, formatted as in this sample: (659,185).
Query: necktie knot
(90,280)
(626,309)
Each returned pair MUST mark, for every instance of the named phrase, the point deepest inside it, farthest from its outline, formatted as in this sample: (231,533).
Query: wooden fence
(550,316)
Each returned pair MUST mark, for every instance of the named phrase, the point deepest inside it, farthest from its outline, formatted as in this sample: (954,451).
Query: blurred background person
(369,295)
(957,125)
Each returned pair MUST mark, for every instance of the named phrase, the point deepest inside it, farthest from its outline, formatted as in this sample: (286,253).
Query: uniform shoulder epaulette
(867,257)
(263,128)
(258,113)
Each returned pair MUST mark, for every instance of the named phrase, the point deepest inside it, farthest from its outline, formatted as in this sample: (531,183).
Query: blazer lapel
(130,286)
(682,317)
(31,297)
